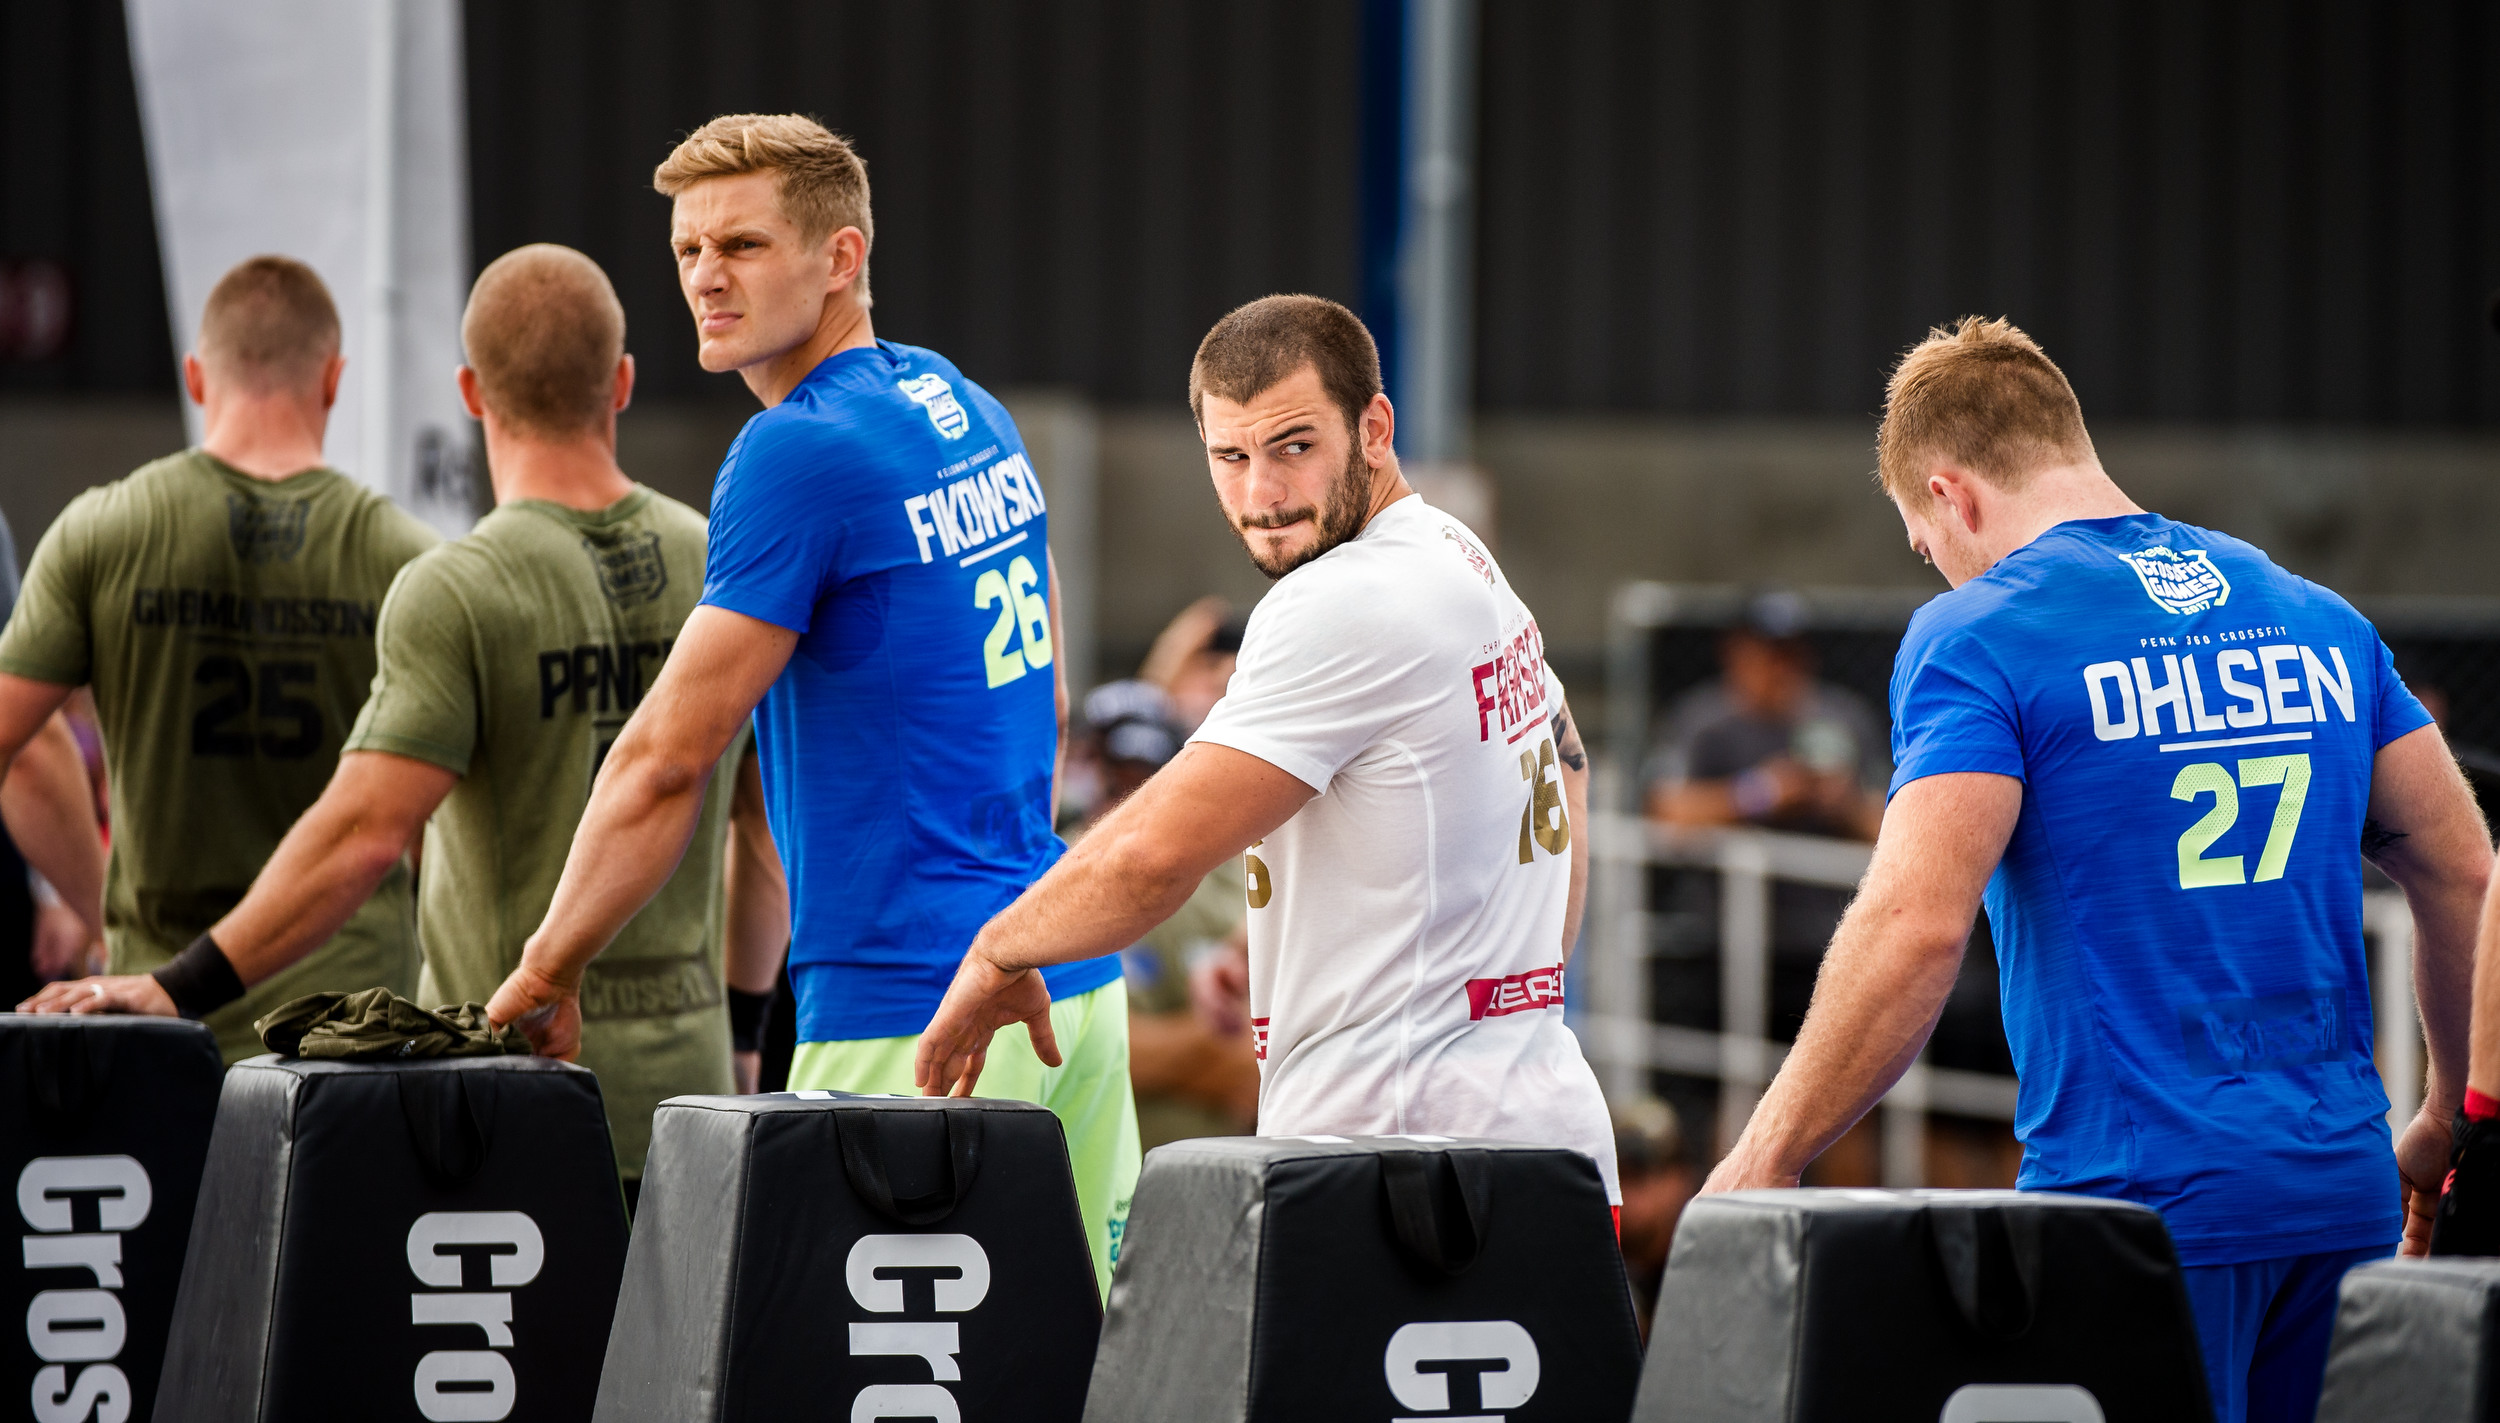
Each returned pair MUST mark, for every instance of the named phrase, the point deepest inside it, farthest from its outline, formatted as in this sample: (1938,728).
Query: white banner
(330,131)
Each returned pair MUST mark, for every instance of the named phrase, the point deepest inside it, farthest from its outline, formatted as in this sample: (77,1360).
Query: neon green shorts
(1090,1092)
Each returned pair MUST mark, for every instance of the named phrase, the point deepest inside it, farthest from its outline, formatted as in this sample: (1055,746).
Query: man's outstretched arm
(1128,874)
(320,875)
(759,908)
(1885,978)
(642,814)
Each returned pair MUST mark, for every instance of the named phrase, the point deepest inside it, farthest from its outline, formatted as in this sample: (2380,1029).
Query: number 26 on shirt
(1023,618)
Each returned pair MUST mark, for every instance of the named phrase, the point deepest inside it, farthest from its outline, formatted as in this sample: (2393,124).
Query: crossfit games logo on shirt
(938,398)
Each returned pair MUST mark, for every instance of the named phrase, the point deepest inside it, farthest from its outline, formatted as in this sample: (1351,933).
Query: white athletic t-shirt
(1406,924)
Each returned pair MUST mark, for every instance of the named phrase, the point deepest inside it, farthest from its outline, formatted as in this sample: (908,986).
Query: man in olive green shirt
(221,603)
(509,660)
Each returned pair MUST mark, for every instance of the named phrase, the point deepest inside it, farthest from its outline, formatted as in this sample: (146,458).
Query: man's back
(512,657)
(226,626)
(2177,915)
(885,512)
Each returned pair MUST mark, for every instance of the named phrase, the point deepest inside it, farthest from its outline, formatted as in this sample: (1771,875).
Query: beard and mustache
(1349,499)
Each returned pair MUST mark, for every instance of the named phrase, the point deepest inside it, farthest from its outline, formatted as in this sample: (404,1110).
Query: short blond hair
(269,325)
(544,332)
(1983,395)
(821,181)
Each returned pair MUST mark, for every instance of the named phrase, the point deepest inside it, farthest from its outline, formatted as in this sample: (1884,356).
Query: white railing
(1627,1045)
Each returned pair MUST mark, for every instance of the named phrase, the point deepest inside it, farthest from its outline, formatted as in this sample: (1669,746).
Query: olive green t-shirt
(226,626)
(512,658)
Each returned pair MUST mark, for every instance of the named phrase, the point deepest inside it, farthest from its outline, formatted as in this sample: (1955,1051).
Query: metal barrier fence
(1660,641)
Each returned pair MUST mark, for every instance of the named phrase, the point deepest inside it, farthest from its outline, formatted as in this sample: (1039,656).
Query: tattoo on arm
(1567,741)
(2377,839)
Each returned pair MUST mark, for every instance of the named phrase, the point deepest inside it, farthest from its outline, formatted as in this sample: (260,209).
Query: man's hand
(1748,1169)
(1219,988)
(2421,1167)
(983,999)
(127,993)
(547,1011)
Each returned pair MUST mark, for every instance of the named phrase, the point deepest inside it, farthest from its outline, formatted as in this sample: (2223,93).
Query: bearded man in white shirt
(1396,759)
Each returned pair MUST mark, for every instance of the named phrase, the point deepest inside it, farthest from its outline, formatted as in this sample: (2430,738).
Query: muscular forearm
(759,892)
(2445,917)
(641,818)
(1104,896)
(50,813)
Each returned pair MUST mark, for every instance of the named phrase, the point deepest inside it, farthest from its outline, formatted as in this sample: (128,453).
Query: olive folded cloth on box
(377,1024)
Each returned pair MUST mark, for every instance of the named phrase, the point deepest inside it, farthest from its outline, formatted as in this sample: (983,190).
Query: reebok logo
(1518,993)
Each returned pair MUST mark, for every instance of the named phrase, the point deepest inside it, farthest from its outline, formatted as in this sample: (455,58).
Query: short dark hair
(544,333)
(1257,345)
(269,324)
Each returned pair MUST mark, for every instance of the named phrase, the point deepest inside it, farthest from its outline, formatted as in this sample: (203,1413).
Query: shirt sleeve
(1316,685)
(2398,712)
(425,702)
(1952,711)
(776,539)
(50,634)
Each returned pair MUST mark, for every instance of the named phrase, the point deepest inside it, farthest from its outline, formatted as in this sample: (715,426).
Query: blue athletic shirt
(886,513)
(2178,916)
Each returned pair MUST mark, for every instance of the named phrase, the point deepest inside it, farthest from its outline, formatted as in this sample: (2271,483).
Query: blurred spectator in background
(1192,660)
(1192,1077)
(1657,1181)
(1768,744)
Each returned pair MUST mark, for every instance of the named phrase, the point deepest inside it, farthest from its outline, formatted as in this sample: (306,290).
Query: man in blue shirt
(2162,757)
(877,594)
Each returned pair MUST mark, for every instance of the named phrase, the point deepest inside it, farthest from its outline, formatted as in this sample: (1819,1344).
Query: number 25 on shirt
(1020,636)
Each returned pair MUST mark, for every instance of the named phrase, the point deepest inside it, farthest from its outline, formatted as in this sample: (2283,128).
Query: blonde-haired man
(2156,753)
(221,604)
(878,599)
(509,659)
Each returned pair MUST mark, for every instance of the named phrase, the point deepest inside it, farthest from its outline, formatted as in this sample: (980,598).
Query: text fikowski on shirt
(1511,687)
(975,509)
(2278,684)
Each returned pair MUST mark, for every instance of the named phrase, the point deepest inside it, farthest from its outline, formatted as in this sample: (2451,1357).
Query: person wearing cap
(1194,1074)
(1768,744)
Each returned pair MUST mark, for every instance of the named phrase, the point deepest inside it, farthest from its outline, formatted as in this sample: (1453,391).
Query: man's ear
(195,378)
(331,371)
(470,399)
(848,248)
(1378,429)
(1958,490)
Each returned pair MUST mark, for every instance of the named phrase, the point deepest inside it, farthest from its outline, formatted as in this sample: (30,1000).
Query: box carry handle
(1991,1260)
(1440,1205)
(72,1069)
(451,1120)
(863,1161)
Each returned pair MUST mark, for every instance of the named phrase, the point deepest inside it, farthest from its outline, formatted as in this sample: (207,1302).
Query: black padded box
(1285,1279)
(436,1239)
(2417,1341)
(104,1124)
(1818,1306)
(829,1255)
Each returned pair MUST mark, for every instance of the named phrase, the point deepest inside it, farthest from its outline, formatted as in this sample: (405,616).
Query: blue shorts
(2264,1326)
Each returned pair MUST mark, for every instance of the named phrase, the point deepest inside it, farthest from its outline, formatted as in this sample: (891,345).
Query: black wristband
(200,980)
(746,1018)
